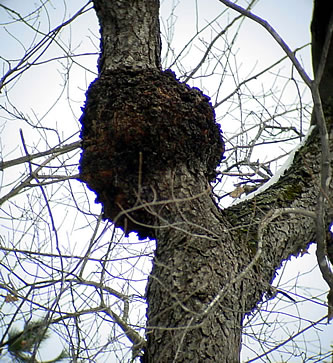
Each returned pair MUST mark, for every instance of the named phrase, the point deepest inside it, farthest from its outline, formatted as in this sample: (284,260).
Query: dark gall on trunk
(135,125)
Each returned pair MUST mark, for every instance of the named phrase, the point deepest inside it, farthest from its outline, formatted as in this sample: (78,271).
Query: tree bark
(321,21)
(150,149)
(204,249)
(130,34)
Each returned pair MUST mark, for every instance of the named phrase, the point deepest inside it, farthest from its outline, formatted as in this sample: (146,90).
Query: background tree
(210,267)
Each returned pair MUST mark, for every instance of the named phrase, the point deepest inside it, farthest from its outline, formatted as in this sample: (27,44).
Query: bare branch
(275,35)
(27,158)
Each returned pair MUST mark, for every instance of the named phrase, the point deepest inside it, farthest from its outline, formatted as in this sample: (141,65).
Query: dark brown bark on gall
(150,148)
(145,123)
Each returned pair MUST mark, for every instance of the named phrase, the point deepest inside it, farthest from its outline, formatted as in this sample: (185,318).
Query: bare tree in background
(151,151)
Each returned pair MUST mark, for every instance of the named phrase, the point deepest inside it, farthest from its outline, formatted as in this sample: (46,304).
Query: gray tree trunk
(142,152)
(130,34)
(204,249)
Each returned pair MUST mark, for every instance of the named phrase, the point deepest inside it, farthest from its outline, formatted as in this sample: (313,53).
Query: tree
(150,151)
(157,162)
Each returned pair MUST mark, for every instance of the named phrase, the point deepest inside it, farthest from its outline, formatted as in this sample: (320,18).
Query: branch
(218,36)
(268,218)
(138,342)
(255,77)
(291,338)
(325,173)
(56,150)
(275,35)
(27,181)
(26,62)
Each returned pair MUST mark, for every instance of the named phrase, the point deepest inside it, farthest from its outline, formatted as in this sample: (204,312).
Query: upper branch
(275,35)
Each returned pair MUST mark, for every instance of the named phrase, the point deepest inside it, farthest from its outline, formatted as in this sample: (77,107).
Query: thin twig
(275,35)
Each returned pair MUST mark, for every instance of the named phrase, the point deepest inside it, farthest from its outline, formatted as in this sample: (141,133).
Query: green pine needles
(23,344)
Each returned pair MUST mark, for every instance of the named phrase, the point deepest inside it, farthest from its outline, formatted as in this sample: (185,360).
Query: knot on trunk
(135,126)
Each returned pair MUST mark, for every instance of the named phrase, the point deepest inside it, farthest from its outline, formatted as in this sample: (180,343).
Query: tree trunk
(130,34)
(322,13)
(193,261)
(203,250)
(150,149)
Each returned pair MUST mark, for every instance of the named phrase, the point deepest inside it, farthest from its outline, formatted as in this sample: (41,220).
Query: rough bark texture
(145,123)
(193,261)
(205,248)
(322,13)
(150,144)
(130,34)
